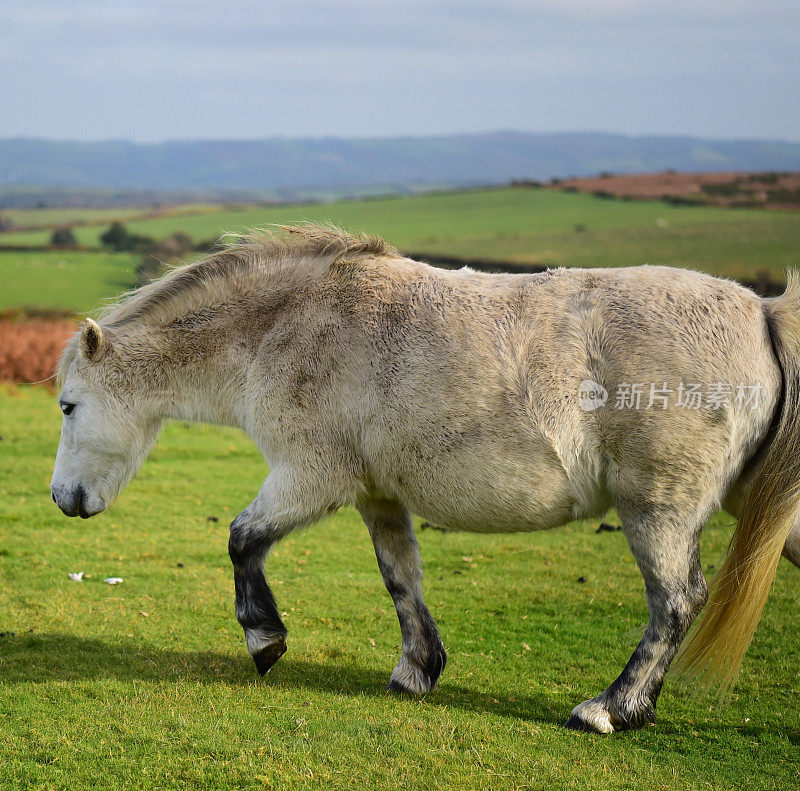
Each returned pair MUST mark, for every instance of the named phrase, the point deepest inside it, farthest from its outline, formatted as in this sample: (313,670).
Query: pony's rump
(713,651)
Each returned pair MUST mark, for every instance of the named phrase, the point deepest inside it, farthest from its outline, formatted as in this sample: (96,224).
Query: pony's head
(107,429)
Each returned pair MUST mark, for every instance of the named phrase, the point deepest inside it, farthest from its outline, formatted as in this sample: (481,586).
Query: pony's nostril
(70,501)
(80,497)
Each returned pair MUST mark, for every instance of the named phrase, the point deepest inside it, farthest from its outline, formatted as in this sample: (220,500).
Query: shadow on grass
(43,658)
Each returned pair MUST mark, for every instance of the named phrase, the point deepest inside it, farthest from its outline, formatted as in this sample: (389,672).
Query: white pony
(490,403)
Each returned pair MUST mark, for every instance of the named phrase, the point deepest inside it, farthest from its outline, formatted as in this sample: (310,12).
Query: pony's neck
(220,403)
(197,354)
(203,382)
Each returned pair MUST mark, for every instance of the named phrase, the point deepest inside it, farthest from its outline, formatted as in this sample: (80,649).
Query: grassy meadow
(69,279)
(147,684)
(48,218)
(520,225)
(25,221)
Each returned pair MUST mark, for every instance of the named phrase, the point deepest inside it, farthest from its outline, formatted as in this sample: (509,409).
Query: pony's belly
(497,509)
(502,486)
(491,523)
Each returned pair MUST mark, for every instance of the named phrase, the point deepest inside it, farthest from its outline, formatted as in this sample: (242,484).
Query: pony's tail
(715,648)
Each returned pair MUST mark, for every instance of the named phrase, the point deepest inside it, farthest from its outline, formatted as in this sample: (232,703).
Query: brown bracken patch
(29,350)
(772,190)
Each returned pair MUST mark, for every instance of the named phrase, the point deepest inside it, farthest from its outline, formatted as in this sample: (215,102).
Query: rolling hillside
(288,166)
(521,227)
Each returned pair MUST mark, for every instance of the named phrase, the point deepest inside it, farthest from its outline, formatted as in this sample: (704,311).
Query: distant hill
(282,167)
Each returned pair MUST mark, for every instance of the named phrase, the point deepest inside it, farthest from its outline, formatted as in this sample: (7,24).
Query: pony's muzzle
(75,501)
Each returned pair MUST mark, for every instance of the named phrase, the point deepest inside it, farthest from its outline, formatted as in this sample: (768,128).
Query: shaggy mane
(257,252)
(290,248)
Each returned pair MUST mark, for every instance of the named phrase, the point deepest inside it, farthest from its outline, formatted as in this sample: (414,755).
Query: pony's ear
(93,344)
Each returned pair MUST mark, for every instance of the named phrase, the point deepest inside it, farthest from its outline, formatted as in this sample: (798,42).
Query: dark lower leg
(630,701)
(397,552)
(256,610)
(423,657)
(676,591)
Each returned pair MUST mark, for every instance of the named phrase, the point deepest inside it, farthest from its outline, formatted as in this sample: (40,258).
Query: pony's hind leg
(397,552)
(791,550)
(667,553)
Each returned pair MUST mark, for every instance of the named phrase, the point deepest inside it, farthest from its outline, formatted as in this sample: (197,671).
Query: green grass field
(74,280)
(525,226)
(148,684)
(48,218)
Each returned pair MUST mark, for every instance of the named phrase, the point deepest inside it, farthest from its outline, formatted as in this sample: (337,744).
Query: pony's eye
(67,408)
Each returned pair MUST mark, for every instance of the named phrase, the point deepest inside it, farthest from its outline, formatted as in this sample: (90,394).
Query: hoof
(397,688)
(577,723)
(597,716)
(269,655)
(410,678)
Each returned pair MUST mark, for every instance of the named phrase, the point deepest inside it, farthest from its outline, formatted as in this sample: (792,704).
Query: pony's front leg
(397,551)
(272,515)
(668,556)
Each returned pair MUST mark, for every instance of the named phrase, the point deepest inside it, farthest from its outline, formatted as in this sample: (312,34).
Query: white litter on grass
(76,576)
(112,580)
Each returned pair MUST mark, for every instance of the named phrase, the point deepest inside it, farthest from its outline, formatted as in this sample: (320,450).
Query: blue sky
(166,69)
